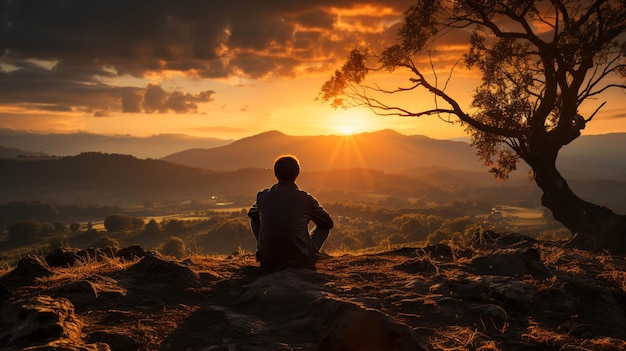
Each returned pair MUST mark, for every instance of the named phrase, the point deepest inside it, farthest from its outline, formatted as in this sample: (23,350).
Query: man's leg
(255,225)
(319,236)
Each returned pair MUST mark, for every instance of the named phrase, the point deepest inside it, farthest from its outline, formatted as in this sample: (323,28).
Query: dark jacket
(280,219)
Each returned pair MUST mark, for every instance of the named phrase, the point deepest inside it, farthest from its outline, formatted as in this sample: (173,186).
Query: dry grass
(85,269)
(461,339)
(4,269)
(552,340)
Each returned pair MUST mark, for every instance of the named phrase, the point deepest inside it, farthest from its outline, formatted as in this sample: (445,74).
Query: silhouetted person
(280,218)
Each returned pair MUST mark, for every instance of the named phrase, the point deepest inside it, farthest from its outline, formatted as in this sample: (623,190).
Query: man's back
(282,214)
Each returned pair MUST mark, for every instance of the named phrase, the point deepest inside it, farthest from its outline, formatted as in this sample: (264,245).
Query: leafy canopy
(539,61)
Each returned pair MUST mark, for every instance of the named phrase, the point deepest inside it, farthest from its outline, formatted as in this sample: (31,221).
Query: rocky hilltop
(508,292)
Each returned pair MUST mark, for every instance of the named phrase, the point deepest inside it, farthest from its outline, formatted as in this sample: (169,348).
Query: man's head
(286,167)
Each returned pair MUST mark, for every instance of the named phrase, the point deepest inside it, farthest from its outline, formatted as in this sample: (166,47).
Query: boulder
(62,257)
(114,340)
(28,268)
(5,293)
(416,265)
(511,263)
(131,253)
(84,293)
(157,269)
(491,239)
(288,292)
(37,322)
(346,326)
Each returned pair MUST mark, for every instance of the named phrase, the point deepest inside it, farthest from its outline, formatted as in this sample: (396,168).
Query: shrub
(58,242)
(47,229)
(152,228)
(174,246)
(105,241)
(119,222)
(24,232)
(59,227)
(174,226)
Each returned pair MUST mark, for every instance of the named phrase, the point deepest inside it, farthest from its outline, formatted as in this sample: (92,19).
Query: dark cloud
(158,100)
(60,91)
(86,41)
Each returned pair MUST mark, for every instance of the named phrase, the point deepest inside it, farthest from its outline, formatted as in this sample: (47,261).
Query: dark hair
(286,167)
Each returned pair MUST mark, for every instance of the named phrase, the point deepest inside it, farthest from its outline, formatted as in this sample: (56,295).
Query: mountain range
(70,144)
(589,157)
(383,162)
(385,150)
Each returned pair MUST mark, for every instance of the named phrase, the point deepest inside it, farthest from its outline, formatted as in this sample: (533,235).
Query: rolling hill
(70,144)
(385,150)
(384,162)
(590,157)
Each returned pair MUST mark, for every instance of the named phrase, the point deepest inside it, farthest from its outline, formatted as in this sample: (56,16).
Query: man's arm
(255,222)
(320,217)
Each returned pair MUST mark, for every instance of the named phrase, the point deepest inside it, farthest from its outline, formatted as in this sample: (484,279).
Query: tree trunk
(594,227)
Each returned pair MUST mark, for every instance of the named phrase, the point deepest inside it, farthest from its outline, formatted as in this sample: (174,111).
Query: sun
(346,129)
(349,122)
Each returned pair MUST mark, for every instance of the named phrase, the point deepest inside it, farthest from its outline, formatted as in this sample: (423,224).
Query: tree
(173,246)
(118,222)
(539,61)
(24,232)
(153,227)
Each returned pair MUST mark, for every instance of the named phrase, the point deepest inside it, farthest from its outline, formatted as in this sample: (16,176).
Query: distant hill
(69,144)
(594,157)
(123,180)
(10,152)
(384,150)
(90,178)
(589,157)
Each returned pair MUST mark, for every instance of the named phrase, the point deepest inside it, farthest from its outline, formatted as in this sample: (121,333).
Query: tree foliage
(533,80)
(120,222)
(539,62)
(173,246)
(24,232)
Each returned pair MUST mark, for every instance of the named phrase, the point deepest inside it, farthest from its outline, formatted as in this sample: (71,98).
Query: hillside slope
(509,293)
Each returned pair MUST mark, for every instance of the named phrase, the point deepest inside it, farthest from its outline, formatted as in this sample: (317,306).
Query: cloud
(158,100)
(64,54)
(148,35)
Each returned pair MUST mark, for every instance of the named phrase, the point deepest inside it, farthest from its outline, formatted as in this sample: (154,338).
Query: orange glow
(348,122)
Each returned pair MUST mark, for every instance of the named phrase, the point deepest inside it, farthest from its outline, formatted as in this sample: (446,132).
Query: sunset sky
(225,69)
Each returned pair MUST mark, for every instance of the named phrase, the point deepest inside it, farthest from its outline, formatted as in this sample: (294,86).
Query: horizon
(226,81)
(155,147)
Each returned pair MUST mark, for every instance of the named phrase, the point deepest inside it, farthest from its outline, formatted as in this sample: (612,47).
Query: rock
(81,293)
(490,238)
(156,268)
(289,291)
(67,257)
(37,322)
(114,340)
(345,326)
(467,289)
(64,345)
(62,257)
(510,262)
(438,251)
(5,294)
(416,265)
(131,253)
(28,268)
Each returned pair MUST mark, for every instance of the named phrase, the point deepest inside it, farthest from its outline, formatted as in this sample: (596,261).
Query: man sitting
(280,218)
